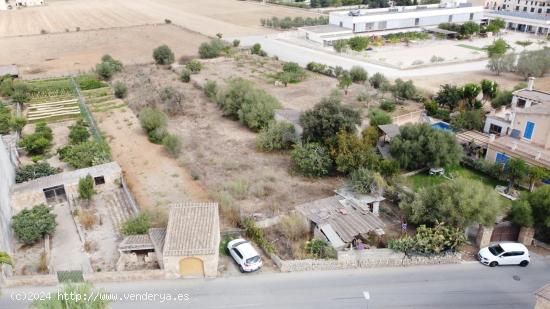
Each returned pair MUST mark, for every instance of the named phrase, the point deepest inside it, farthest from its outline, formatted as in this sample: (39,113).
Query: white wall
(7,179)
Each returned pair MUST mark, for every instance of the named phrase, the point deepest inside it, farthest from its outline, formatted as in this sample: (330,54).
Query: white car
(245,255)
(506,253)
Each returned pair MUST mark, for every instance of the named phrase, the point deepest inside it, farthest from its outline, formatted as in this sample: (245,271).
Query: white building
(528,6)
(522,21)
(11,4)
(406,16)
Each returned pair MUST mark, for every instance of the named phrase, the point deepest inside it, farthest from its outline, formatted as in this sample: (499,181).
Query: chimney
(530,83)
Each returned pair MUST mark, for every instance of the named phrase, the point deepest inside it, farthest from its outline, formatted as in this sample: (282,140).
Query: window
(238,253)
(382,25)
(525,9)
(450,18)
(521,103)
(471,16)
(496,250)
(529,128)
(547,11)
(416,21)
(501,158)
(341,24)
(540,11)
(494,129)
(532,10)
(99,180)
(517,8)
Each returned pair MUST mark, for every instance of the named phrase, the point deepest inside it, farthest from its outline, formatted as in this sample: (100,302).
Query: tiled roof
(136,242)
(193,229)
(158,236)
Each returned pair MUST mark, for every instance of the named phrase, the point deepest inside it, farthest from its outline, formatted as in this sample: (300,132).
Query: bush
(366,181)
(358,74)
(503,98)
(172,144)
(210,89)
(194,66)
(89,81)
(312,160)
(469,120)
(521,213)
(34,171)
(320,249)
(136,226)
(151,119)
(320,68)
(116,65)
(257,235)
(436,240)
(78,133)
(85,154)
(256,49)
(379,117)
(277,136)
(38,142)
(157,135)
(387,105)
(213,49)
(404,90)
(121,90)
(185,76)
(351,152)
(163,55)
(86,187)
(293,227)
(377,80)
(30,225)
(358,43)
(104,70)
(236,43)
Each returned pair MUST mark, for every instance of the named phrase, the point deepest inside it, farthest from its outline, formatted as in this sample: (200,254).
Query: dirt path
(155,179)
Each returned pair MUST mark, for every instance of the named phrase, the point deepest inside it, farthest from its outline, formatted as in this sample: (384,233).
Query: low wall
(365,259)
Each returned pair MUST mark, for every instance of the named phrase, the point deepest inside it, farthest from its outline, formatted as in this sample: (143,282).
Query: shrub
(404,90)
(151,119)
(257,235)
(78,133)
(194,66)
(387,105)
(167,21)
(163,55)
(210,89)
(172,100)
(121,90)
(358,74)
(312,160)
(185,76)
(38,142)
(378,117)
(366,181)
(436,240)
(277,136)
(351,152)
(256,49)
(172,144)
(358,43)
(211,49)
(293,227)
(320,249)
(116,65)
(30,225)
(138,225)
(89,81)
(469,120)
(34,171)
(157,135)
(104,70)
(377,80)
(86,187)
(85,154)
(521,213)
(236,43)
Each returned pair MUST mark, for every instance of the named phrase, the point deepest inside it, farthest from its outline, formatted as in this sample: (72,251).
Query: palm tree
(535,174)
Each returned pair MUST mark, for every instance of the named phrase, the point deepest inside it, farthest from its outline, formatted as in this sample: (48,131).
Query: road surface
(467,285)
(303,55)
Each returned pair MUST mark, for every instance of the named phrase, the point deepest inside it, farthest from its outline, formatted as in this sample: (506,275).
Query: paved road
(302,55)
(468,285)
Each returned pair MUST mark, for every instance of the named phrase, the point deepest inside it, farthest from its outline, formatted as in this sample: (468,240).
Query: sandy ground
(229,17)
(155,179)
(74,52)
(220,153)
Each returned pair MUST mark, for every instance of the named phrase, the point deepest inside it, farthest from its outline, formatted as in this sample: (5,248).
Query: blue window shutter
(529,128)
(501,158)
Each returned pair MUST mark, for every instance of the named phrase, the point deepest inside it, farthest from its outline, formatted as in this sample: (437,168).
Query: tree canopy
(459,203)
(420,145)
(32,224)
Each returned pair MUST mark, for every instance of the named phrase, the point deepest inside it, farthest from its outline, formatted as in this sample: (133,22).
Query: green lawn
(418,181)
(471,47)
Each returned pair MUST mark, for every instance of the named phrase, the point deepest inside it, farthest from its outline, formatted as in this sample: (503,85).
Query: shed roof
(478,138)
(68,177)
(135,243)
(391,130)
(345,219)
(193,229)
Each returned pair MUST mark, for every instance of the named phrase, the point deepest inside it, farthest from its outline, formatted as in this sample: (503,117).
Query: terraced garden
(52,100)
(102,99)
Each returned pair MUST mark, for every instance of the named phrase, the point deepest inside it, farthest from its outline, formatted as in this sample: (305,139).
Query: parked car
(506,253)
(245,255)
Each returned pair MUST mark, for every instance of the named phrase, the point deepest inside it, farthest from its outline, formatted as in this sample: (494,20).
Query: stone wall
(364,259)
(210,264)
(7,179)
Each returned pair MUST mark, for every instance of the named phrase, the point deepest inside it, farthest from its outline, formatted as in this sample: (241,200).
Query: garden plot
(102,99)
(53,111)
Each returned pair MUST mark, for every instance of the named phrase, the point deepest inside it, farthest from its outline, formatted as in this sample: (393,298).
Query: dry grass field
(63,53)
(230,17)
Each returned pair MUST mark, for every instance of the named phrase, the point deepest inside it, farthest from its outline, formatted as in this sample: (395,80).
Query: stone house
(191,245)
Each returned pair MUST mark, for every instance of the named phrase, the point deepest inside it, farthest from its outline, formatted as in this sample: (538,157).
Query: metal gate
(70,276)
(505,231)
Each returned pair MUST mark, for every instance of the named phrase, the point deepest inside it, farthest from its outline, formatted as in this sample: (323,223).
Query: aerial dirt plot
(230,17)
(218,152)
(66,53)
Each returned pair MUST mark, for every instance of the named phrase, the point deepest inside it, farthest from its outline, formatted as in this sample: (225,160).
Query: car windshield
(496,250)
(254,259)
